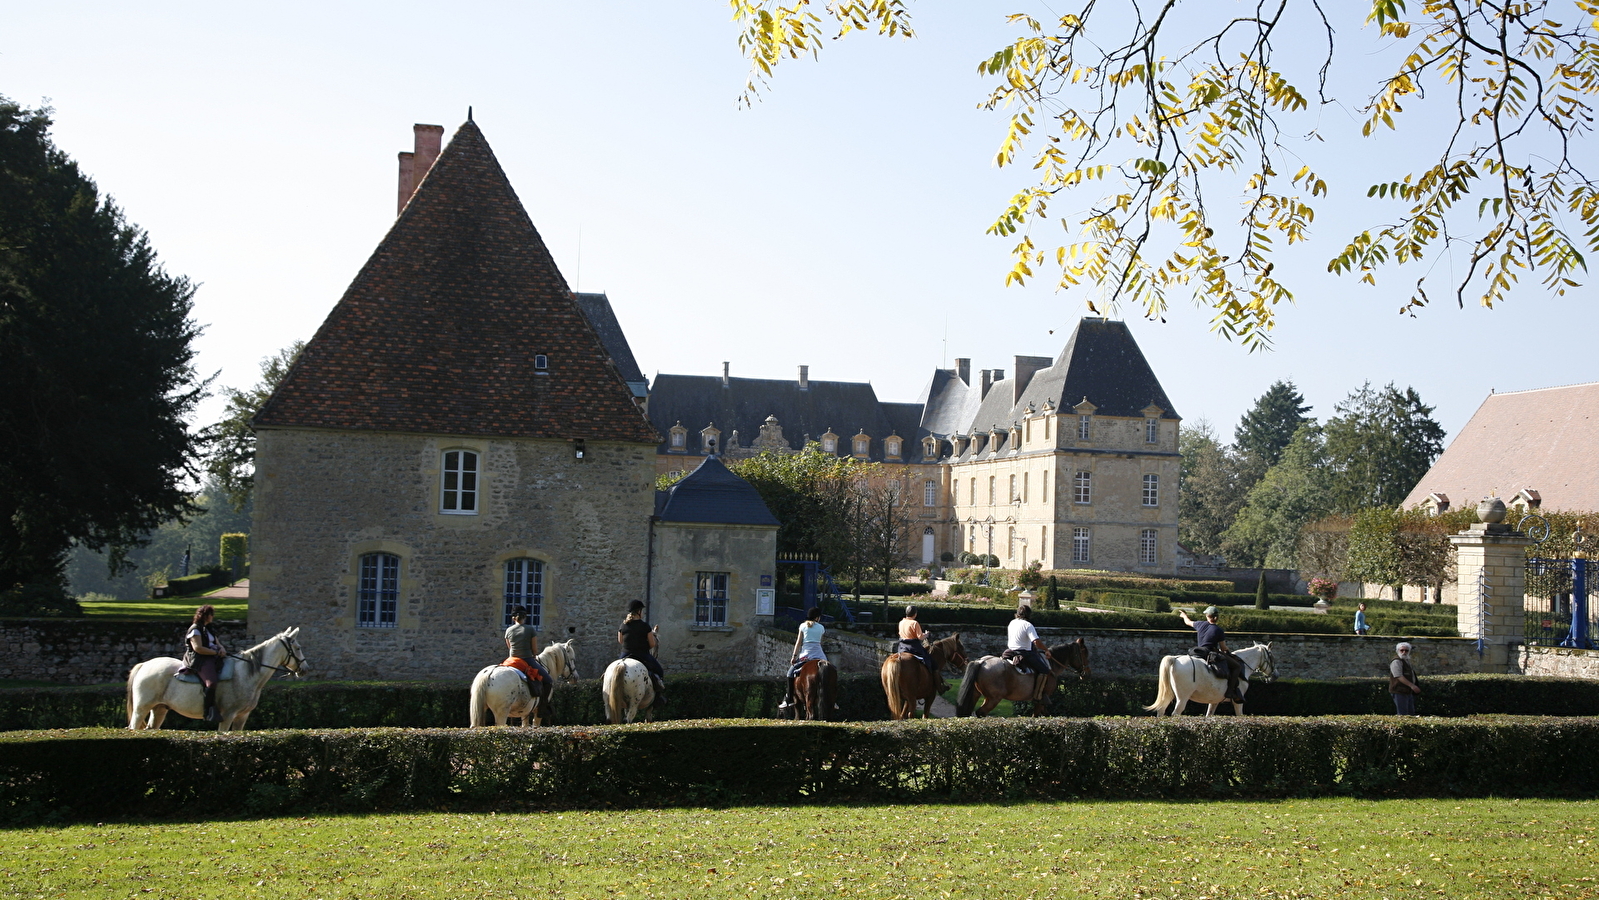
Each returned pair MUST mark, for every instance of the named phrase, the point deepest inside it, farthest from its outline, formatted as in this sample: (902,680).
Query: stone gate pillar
(1490,559)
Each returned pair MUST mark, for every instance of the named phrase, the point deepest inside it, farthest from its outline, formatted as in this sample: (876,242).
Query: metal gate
(1559,592)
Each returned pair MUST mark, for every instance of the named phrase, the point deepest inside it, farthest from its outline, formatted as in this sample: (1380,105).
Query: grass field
(1341,849)
(177,609)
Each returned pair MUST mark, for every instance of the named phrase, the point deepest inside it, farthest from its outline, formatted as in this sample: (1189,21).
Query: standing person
(203,654)
(1402,681)
(522,643)
(639,641)
(1211,641)
(807,646)
(1022,637)
(1360,620)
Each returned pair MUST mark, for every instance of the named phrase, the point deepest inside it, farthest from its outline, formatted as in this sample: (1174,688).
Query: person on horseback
(203,654)
(1211,645)
(522,643)
(912,640)
(1022,641)
(807,646)
(639,642)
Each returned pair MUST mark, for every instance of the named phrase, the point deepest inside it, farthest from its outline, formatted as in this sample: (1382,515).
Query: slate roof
(1102,362)
(713,495)
(437,333)
(1545,439)
(597,309)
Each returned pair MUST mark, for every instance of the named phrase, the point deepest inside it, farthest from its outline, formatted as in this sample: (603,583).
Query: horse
(995,679)
(907,681)
(153,689)
(628,690)
(500,693)
(815,691)
(1184,678)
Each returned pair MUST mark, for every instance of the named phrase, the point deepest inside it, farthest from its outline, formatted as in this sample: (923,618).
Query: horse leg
(988,706)
(155,717)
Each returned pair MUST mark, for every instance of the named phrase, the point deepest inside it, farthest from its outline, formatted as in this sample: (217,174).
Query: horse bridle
(299,661)
(568,662)
(1268,671)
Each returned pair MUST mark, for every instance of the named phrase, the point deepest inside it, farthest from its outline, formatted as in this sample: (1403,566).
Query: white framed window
(1013,494)
(458,487)
(829,444)
(929,493)
(1147,544)
(1083,487)
(1151,490)
(378,602)
(524,586)
(678,441)
(1043,487)
(1080,546)
(892,449)
(710,598)
(991,495)
(1151,431)
(863,446)
(1010,543)
(974,491)
(1083,424)
(955,492)
(1024,487)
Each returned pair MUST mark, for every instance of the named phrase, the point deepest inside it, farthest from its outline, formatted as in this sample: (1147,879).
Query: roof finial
(469,113)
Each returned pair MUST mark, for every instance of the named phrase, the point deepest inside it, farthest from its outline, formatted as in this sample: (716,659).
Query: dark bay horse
(906,681)
(815,691)
(996,680)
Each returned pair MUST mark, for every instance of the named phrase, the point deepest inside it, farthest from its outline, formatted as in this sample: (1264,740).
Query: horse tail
(829,677)
(890,674)
(966,700)
(131,672)
(1168,692)
(478,706)
(611,686)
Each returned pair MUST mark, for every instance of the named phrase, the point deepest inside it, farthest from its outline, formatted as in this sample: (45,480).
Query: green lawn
(175,608)
(1342,849)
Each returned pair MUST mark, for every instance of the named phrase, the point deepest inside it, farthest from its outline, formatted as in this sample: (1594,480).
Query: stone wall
(850,651)
(1561,662)
(744,553)
(93,651)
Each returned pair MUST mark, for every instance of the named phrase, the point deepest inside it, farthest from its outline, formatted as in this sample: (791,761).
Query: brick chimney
(987,381)
(414,165)
(726,371)
(805,378)
(963,370)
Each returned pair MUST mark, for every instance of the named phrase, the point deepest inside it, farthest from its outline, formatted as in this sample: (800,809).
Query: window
(1043,487)
(892,448)
(1151,431)
(974,491)
(929,493)
(458,496)
(1082,427)
(1151,490)
(524,586)
(1043,541)
(991,494)
(1083,487)
(679,440)
(540,361)
(379,601)
(1010,543)
(1079,545)
(1146,547)
(955,492)
(1046,428)
(1013,494)
(710,598)
(829,443)
(1024,487)
(863,445)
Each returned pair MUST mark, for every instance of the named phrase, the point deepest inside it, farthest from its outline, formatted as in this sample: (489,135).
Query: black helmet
(636,606)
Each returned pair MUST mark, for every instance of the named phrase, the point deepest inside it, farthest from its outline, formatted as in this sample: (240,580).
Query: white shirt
(811,641)
(1021,634)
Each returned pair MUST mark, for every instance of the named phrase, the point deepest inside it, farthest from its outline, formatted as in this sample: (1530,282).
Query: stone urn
(1321,606)
(1491,510)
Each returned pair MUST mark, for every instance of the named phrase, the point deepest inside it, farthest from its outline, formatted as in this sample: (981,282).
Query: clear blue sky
(838,224)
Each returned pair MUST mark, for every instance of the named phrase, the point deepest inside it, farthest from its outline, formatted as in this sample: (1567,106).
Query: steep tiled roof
(438,332)
(1546,439)
(597,309)
(713,495)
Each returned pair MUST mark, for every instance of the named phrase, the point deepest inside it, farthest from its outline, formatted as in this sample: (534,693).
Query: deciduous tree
(1210,496)
(231,460)
(1293,492)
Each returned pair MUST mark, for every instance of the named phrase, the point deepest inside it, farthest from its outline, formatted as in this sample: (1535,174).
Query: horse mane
(946,644)
(251,655)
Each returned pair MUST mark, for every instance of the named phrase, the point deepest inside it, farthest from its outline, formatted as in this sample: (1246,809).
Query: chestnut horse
(815,691)
(995,679)
(906,681)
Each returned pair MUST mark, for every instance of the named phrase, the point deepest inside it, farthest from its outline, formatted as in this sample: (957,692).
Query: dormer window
(1151,431)
(929,448)
(891,448)
(829,442)
(1084,426)
(861,445)
(710,439)
(677,440)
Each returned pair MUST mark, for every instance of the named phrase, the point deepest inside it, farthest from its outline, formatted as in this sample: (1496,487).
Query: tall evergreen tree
(1379,446)
(97,378)
(1264,432)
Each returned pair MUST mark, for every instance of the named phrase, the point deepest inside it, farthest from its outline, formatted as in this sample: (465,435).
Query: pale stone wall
(1564,662)
(93,651)
(850,651)
(682,551)
(323,498)
(1489,564)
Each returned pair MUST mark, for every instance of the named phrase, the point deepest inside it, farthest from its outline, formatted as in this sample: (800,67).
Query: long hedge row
(444,705)
(96,775)
(1245,622)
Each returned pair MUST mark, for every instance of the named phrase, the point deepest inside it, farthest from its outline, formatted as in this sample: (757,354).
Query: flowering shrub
(1324,589)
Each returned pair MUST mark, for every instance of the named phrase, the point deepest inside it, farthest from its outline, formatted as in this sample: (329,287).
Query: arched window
(458,490)
(524,586)
(929,493)
(378,603)
(1151,490)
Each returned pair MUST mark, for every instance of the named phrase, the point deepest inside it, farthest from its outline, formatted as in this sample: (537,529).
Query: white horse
(628,691)
(500,693)
(1184,678)
(153,689)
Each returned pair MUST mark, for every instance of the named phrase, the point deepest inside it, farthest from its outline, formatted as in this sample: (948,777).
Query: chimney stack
(987,382)
(805,378)
(1026,366)
(414,166)
(963,370)
(726,368)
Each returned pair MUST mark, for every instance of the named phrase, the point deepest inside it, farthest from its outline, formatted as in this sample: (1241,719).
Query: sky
(838,223)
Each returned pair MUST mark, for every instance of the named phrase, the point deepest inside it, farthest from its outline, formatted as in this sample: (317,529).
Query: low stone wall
(1114,653)
(850,651)
(92,651)
(1557,661)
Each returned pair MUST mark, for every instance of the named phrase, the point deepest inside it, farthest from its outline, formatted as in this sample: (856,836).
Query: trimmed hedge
(980,590)
(1125,600)
(1244,621)
(870,589)
(98,775)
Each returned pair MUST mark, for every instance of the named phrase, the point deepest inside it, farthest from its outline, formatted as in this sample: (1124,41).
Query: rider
(522,643)
(912,640)
(1212,642)
(807,646)
(1023,638)
(203,656)
(638,642)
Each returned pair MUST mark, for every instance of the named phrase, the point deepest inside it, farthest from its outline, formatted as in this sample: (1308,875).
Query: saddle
(528,672)
(187,676)
(1213,660)
(1015,658)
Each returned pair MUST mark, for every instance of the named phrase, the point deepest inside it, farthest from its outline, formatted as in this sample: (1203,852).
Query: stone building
(1072,460)
(456,439)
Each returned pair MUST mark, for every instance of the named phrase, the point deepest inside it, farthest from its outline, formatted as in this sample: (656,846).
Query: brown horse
(996,680)
(815,691)
(906,681)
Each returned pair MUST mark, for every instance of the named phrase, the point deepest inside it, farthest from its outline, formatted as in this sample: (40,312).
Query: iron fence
(1549,586)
